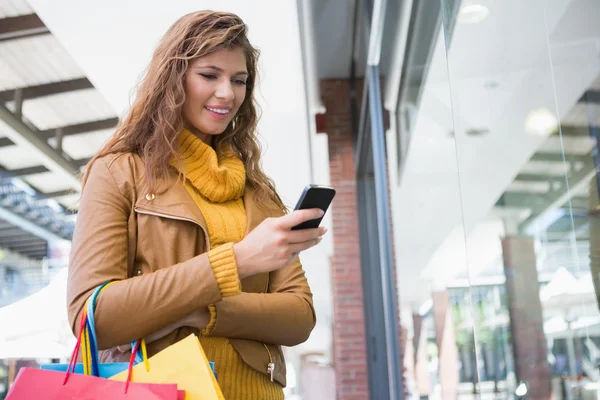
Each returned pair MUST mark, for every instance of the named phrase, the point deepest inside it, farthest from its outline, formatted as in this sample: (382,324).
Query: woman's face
(215,88)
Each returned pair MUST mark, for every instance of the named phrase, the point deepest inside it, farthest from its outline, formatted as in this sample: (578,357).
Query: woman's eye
(239,82)
(209,77)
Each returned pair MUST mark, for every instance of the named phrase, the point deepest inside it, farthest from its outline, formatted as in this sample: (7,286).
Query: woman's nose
(225,91)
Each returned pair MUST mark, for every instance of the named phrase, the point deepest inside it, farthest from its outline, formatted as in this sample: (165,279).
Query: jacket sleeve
(284,316)
(133,307)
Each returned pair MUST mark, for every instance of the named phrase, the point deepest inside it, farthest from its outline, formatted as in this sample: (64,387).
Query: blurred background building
(461,136)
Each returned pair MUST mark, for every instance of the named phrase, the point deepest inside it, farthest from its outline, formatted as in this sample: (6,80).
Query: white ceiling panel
(583,114)
(579,145)
(48,182)
(34,61)
(67,109)
(545,168)
(14,8)
(70,202)
(529,187)
(15,157)
(85,145)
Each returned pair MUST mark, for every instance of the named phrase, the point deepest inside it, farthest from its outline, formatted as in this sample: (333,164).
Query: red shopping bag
(40,384)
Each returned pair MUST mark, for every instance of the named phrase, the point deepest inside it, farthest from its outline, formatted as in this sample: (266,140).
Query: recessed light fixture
(473,13)
(477,131)
(541,122)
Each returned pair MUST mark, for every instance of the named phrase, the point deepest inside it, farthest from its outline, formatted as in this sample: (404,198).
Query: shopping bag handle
(89,342)
(75,353)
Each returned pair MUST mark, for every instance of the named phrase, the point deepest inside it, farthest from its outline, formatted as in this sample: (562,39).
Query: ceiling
(52,120)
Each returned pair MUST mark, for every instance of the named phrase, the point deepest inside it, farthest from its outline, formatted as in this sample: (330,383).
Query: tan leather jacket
(155,245)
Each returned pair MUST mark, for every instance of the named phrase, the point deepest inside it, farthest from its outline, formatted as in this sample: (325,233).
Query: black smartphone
(314,196)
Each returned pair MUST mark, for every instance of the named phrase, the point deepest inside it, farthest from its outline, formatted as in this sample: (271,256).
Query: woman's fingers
(299,216)
(298,247)
(304,235)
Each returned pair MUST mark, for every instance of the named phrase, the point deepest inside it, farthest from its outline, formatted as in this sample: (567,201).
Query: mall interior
(461,136)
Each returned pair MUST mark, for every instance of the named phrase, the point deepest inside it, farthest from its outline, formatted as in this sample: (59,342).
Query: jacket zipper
(156,214)
(271,366)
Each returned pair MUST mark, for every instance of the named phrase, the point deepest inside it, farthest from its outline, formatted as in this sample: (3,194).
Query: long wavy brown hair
(153,124)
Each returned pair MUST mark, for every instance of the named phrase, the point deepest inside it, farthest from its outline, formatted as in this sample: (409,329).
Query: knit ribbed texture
(216,183)
(223,264)
(213,320)
(236,379)
(220,178)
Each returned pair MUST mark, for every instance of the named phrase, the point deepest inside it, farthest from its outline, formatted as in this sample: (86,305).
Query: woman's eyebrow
(218,69)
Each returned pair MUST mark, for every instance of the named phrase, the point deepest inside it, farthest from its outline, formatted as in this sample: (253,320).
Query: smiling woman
(177,210)
(215,88)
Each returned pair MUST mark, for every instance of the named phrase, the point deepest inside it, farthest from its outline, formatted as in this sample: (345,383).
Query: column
(421,368)
(525,315)
(349,347)
(447,350)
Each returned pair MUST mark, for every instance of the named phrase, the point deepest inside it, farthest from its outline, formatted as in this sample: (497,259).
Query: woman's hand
(273,244)
(197,319)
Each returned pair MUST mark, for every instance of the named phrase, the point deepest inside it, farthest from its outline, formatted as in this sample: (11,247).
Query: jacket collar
(176,203)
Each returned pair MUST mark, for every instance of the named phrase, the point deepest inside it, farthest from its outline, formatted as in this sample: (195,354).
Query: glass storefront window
(496,208)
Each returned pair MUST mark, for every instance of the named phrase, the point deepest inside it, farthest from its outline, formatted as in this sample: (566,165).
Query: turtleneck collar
(218,177)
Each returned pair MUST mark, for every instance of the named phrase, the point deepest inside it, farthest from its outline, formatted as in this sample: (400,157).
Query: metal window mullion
(383,228)
(373,299)
(363,139)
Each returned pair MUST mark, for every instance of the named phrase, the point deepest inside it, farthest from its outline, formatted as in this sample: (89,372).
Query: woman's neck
(200,135)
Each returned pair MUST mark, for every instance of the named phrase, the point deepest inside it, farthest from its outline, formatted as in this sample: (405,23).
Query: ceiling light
(541,122)
(473,13)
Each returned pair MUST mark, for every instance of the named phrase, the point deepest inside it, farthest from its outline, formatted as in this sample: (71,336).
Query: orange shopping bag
(183,363)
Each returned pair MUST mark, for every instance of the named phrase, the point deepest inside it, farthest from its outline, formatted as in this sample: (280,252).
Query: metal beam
(537,203)
(579,203)
(540,178)
(53,195)
(29,226)
(27,246)
(21,27)
(575,131)
(84,127)
(38,169)
(69,130)
(20,239)
(24,136)
(558,157)
(555,200)
(47,89)
(11,232)
(590,96)
(15,173)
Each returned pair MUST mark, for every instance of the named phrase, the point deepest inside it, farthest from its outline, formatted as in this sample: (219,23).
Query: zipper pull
(271,370)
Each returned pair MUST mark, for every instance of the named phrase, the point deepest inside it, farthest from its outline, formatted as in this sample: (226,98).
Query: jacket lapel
(174,202)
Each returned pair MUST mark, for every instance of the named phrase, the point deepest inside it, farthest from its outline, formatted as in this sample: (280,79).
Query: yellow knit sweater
(216,182)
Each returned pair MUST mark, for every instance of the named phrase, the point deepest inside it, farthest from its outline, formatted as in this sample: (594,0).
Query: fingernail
(321,213)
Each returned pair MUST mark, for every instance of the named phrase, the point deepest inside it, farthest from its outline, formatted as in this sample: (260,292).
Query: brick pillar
(350,352)
(447,350)
(525,315)
(349,347)
(421,361)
